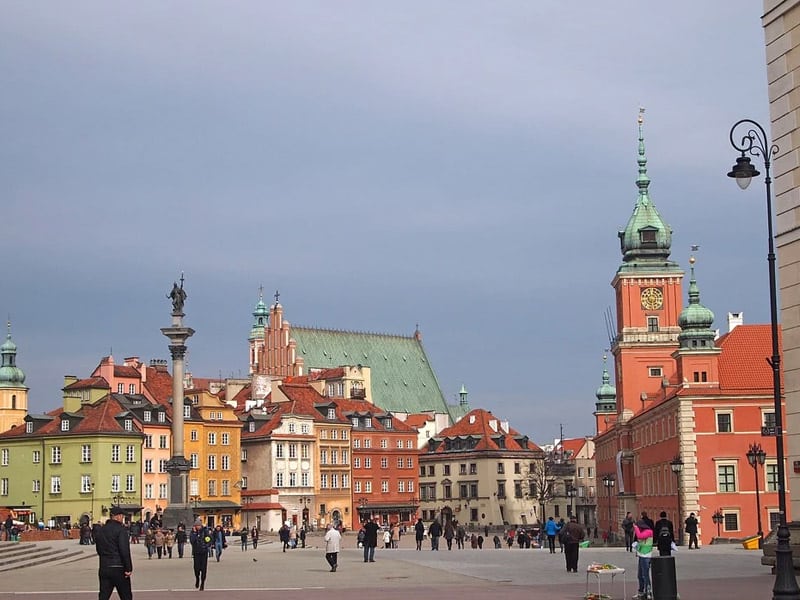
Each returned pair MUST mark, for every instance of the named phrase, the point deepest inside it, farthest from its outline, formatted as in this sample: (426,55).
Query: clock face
(652,298)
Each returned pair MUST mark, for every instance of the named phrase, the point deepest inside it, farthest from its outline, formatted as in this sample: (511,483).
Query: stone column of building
(178,510)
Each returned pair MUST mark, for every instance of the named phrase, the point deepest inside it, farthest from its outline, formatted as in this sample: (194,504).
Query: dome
(695,319)
(10,374)
(606,394)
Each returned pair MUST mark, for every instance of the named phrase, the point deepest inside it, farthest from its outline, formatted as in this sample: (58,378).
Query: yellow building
(212,446)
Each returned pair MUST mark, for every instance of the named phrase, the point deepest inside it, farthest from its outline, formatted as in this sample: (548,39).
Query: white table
(612,573)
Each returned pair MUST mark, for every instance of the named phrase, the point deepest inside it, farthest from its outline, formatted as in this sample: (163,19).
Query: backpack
(664,538)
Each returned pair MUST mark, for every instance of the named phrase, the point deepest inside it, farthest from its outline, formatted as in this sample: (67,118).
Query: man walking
(691,529)
(627,527)
(113,547)
(435,532)
(370,540)
(333,543)
(200,539)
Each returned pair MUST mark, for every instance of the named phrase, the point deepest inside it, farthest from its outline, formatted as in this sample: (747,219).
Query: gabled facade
(476,472)
(70,466)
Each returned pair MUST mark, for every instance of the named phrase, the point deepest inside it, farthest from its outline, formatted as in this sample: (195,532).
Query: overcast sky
(461,165)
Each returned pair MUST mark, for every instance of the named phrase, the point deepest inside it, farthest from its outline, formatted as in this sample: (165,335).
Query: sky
(460,165)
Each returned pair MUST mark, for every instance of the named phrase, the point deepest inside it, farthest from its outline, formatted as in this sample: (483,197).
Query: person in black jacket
(113,547)
(200,539)
(370,540)
(664,533)
(180,538)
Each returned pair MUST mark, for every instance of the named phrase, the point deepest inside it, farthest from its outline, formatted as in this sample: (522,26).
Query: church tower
(13,393)
(605,413)
(256,339)
(648,288)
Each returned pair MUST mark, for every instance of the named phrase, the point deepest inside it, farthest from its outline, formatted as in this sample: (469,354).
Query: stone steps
(20,555)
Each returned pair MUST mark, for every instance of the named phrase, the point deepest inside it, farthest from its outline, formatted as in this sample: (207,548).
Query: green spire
(695,319)
(462,396)
(260,316)
(646,240)
(606,394)
(10,374)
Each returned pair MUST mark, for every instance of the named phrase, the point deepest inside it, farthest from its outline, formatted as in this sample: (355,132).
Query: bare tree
(539,484)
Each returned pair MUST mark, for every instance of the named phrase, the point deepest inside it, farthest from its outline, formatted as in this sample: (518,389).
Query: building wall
(781,23)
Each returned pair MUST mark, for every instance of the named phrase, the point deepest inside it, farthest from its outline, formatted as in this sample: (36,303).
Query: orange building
(672,435)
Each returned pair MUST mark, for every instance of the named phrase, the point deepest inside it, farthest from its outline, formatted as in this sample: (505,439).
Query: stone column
(178,467)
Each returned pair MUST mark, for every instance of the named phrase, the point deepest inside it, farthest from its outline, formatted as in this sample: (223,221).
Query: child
(643,547)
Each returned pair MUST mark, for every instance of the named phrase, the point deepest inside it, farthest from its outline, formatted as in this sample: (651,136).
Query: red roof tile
(477,423)
(418,420)
(742,363)
(91,382)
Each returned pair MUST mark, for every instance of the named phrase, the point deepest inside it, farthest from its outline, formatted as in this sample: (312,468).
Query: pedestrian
(648,520)
(243,535)
(169,542)
(333,543)
(360,538)
(460,535)
(449,534)
(644,548)
(7,525)
(149,542)
(572,535)
(561,524)
(551,527)
(112,545)
(473,541)
(159,538)
(303,536)
(180,539)
(283,535)
(497,542)
(370,540)
(254,536)
(435,532)
(396,535)
(666,535)
(690,527)
(486,531)
(627,528)
(510,538)
(387,539)
(419,533)
(293,537)
(218,537)
(480,542)
(135,530)
(200,539)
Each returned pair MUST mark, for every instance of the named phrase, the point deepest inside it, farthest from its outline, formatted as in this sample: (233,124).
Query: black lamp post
(91,512)
(676,464)
(609,482)
(756,456)
(571,493)
(755,142)
(718,518)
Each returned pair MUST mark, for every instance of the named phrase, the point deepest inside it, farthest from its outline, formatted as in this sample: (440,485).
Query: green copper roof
(10,374)
(402,377)
(695,319)
(646,240)
(260,317)
(606,392)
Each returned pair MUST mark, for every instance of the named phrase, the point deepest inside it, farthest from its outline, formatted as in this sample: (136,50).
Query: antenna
(611,328)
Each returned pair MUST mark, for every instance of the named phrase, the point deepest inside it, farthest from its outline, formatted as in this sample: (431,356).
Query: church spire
(10,374)
(695,319)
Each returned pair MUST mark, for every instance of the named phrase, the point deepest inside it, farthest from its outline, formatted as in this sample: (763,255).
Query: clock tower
(648,288)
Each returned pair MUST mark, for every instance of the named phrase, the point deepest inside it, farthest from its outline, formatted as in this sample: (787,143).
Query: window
(501,468)
(771,473)
(37,457)
(291,427)
(385,486)
(244,483)
(367,443)
(652,326)
(335,481)
(726,477)
(278,450)
(212,487)
(226,487)
(225,462)
(55,484)
(130,483)
(768,419)
(148,441)
(344,457)
(344,434)
(367,421)
(304,479)
(411,485)
(356,443)
(128,425)
(473,469)
(731,522)
(334,434)
(162,442)
(162,490)
(194,487)
(225,439)
(115,453)
(130,453)
(331,413)
(462,490)
(356,463)
(518,489)
(37,486)
(162,417)
(86,453)
(399,444)
(367,463)
(323,457)
(212,462)
(148,491)
(462,469)
(120,388)
(251,426)
(244,454)
(501,489)
(86,484)
(724,422)
(399,463)
(334,457)
(147,416)
(64,424)
(473,490)
(292,479)
(293,451)
(431,470)
(55,455)
(148,465)
(323,480)
(384,463)
(590,472)
(212,439)
(323,434)
(278,479)
(4,457)
(187,413)
(700,376)
(384,443)
(410,463)
(194,461)
(654,371)
(29,427)
(115,483)
(162,465)
(304,428)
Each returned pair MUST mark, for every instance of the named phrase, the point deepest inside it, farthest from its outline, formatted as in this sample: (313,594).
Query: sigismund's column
(178,510)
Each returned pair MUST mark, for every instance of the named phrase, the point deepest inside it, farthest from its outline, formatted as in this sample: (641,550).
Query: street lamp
(609,481)
(571,493)
(717,517)
(91,512)
(756,143)
(756,456)
(246,500)
(676,464)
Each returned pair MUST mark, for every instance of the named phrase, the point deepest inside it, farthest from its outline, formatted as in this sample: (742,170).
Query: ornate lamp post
(609,482)
(676,464)
(571,493)
(718,518)
(756,456)
(755,142)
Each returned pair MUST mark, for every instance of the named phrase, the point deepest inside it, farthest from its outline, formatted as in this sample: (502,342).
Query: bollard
(665,583)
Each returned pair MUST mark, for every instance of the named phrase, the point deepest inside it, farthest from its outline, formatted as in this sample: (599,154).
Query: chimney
(734,320)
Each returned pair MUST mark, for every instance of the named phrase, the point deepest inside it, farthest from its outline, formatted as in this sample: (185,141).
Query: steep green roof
(402,377)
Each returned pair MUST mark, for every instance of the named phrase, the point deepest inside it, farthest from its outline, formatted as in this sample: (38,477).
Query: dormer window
(355,421)
(64,424)
(331,413)
(251,426)
(387,423)
(128,424)
(187,412)
(29,427)
(368,422)
(162,417)
(147,416)
(648,236)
